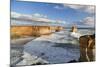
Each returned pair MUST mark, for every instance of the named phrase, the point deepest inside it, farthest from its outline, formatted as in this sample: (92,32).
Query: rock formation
(74,28)
(23,31)
(74,32)
(87,47)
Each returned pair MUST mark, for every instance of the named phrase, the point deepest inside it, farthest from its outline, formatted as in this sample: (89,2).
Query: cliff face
(33,30)
(87,48)
(21,30)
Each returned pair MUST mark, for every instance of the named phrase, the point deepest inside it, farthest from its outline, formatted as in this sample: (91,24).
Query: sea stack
(74,28)
(87,48)
(74,32)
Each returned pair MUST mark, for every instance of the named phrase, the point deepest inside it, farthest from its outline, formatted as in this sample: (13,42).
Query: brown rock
(87,46)
(74,28)
(23,31)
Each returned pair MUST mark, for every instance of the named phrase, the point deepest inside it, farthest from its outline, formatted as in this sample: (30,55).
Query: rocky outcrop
(74,32)
(87,48)
(24,31)
(74,28)
(21,30)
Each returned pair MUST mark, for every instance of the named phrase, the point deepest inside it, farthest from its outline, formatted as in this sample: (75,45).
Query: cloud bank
(35,18)
(86,8)
(89,21)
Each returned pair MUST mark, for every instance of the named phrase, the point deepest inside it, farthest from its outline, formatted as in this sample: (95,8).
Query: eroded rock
(87,48)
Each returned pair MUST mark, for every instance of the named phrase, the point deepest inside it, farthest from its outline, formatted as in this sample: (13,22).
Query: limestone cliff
(23,31)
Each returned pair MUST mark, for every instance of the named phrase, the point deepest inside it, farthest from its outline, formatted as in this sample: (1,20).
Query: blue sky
(69,13)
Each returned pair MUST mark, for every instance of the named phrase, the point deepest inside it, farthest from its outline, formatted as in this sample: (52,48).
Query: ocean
(58,47)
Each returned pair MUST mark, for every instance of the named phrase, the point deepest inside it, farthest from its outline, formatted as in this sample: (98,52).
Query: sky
(83,15)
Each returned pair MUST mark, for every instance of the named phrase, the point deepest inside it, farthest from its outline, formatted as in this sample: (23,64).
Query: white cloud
(60,21)
(85,8)
(18,15)
(26,15)
(39,15)
(35,17)
(15,15)
(88,21)
(58,7)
